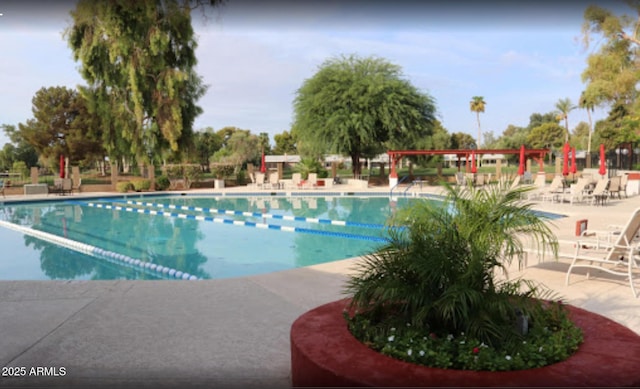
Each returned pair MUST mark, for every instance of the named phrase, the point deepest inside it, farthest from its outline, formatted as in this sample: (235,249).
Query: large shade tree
(357,106)
(138,59)
(61,124)
(613,70)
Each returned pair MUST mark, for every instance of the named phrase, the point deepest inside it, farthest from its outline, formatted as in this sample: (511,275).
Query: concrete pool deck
(224,333)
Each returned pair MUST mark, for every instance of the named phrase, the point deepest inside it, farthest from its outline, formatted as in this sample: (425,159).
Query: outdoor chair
(600,192)
(2,186)
(619,259)
(555,190)
(576,191)
(615,186)
(312,181)
(623,184)
(539,184)
(259,180)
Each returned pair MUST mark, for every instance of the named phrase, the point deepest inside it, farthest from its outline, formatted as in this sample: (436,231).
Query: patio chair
(259,180)
(600,192)
(615,186)
(312,180)
(296,180)
(460,179)
(619,259)
(67,186)
(623,184)
(577,191)
(2,186)
(274,181)
(555,190)
(539,184)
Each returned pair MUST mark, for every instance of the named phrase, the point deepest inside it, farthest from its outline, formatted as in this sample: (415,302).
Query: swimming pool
(185,237)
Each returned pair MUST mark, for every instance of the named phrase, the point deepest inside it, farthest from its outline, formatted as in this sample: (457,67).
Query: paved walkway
(221,333)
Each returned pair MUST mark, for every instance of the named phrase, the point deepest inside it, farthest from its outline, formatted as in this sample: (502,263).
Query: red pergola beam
(396,155)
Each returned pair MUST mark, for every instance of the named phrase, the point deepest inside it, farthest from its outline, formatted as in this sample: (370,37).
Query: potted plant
(433,298)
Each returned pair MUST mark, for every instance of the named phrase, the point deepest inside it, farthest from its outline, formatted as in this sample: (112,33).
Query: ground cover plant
(434,294)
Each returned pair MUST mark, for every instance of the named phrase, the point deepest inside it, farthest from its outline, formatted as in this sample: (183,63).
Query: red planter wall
(325,354)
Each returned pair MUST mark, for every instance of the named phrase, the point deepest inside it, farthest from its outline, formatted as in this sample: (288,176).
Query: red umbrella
(263,166)
(565,160)
(574,168)
(61,166)
(473,162)
(603,162)
(522,161)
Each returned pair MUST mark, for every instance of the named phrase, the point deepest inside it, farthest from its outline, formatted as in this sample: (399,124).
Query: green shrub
(124,186)
(162,183)
(436,279)
(141,184)
(241,178)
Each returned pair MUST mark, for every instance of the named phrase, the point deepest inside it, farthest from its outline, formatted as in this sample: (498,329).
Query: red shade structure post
(574,168)
(61,166)
(522,161)
(603,161)
(474,170)
(263,165)
(565,160)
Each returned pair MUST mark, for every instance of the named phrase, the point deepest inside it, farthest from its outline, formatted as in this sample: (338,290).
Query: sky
(521,57)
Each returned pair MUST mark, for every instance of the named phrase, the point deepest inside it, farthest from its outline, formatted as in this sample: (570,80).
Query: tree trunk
(355,164)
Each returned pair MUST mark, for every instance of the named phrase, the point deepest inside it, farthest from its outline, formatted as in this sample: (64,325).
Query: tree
(477,105)
(61,124)
(285,143)
(438,274)
(206,143)
(139,59)
(549,135)
(17,150)
(356,106)
(462,140)
(612,71)
(536,119)
(564,106)
(580,136)
(587,102)
(241,147)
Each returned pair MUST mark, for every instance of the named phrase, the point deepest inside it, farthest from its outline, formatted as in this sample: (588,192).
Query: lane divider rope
(113,257)
(235,222)
(343,223)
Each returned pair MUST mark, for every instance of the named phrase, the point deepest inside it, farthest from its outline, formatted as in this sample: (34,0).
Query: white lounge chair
(555,190)
(539,184)
(619,259)
(576,191)
(259,180)
(600,192)
(623,184)
(312,181)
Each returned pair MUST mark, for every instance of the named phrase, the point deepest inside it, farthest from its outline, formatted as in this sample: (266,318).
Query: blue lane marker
(343,223)
(97,252)
(236,222)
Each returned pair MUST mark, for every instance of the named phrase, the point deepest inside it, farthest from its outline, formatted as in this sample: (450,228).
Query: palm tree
(588,104)
(564,106)
(477,105)
(440,272)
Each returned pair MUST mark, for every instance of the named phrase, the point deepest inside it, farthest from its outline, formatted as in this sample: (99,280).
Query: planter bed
(325,354)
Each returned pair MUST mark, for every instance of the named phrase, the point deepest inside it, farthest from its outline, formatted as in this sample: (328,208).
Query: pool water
(181,237)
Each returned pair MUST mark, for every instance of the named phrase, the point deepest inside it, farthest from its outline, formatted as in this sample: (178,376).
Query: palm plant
(477,105)
(439,273)
(564,106)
